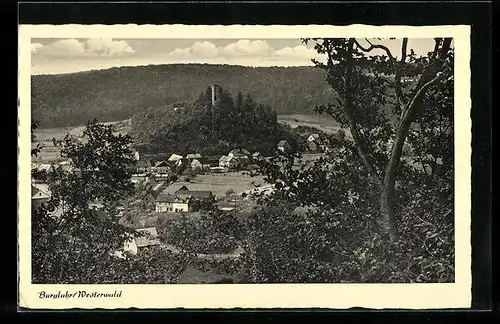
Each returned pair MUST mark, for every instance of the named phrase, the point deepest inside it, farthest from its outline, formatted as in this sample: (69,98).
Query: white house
(148,237)
(174,158)
(313,138)
(40,195)
(283,146)
(193,156)
(223,161)
(239,153)
(139,177)
(196,165)
(170,203)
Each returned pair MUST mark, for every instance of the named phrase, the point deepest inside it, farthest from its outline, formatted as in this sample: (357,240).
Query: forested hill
(118,93)
(237,120)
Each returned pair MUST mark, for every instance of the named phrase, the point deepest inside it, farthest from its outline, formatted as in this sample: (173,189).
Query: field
(219,183)
(323,122)
(50,153)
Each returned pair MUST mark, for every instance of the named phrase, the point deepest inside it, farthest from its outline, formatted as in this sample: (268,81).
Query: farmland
(50,153)
(324,122)
(219,183)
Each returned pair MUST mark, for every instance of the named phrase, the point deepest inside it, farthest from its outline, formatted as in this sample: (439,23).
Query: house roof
(168,198)
(157,186)
(240,151)
(183,188)
(34,191)
(196,161)
(175,157)
(40,190)
(223,158)
(162,164)
(152,193)
(149,238)
(256,154)
(194,193)
(193,156)
(282,143)
(143,163)
(201,194)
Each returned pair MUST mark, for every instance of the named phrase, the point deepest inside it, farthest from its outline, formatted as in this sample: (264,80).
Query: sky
(59,56)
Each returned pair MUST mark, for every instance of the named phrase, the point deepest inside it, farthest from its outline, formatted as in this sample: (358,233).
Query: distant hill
(118,93)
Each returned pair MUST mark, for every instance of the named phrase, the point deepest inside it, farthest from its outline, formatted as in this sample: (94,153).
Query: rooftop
(149,238)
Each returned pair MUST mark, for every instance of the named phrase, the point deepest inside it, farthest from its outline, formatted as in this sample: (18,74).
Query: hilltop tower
(215,93)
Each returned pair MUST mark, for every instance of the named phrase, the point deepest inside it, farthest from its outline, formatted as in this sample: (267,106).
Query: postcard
(242,166)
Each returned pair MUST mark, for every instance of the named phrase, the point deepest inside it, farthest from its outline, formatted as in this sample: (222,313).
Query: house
(139,178)
(283,146)
(241,157)
(229,162)
(143,166)
(40,195)
(199,194)
(313,138)
(162,167)
(257,156)
(191,157)
(65,166)
(171,203)
(147,237)
(196,165)
(239,153)
(46,167)
(223,161)
(174,158)
(209,161)
(150,197)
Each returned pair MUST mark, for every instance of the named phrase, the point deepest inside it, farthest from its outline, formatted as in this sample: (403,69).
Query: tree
(323,219)
(77,246)
(350,72)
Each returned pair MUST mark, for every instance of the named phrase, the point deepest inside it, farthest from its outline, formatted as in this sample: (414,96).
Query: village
(185,185)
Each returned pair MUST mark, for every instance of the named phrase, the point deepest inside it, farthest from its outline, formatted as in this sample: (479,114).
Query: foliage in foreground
(324,223)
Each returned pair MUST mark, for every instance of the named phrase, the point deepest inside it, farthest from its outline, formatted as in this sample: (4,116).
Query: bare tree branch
(374,46)
(399,71)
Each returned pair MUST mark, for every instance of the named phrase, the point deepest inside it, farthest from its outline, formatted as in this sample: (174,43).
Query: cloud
(298,52)
(259,51)
(35,47)
(88,48)
(246,48)
(107,47)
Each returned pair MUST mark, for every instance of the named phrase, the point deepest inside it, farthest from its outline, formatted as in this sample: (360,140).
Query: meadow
(219,183)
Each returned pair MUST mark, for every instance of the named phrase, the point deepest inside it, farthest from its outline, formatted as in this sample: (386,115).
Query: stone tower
(215,93)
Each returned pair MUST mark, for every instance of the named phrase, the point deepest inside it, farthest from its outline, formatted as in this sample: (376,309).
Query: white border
(342,296)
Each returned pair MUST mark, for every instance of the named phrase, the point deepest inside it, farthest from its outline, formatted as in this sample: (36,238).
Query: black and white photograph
(230,162)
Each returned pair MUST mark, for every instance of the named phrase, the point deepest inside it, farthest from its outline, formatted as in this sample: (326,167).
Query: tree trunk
(428,79)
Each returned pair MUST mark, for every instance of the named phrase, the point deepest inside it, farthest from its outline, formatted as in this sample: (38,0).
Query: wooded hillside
(117,93)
